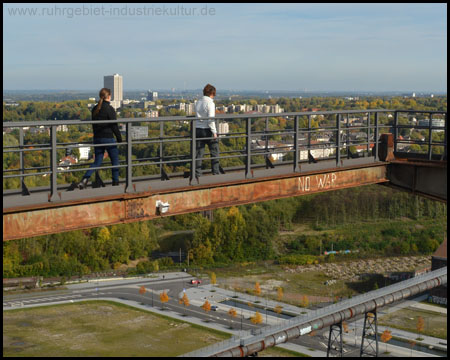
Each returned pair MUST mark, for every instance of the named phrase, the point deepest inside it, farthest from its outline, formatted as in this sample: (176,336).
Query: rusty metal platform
(52,218)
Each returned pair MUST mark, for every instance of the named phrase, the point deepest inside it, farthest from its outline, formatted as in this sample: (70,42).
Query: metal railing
(295,138)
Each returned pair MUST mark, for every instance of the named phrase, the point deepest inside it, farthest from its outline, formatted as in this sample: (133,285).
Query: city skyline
(288,47)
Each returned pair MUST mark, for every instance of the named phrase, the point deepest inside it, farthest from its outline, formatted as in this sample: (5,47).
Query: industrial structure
(168,191)
(252,342)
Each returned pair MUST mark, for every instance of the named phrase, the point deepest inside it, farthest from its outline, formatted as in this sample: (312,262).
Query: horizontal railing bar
(185,118)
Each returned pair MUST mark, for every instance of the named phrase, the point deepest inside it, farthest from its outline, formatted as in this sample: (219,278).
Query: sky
(297,47)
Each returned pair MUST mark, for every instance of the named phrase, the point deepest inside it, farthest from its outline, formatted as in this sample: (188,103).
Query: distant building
(190,109)
(66,162)
(151,114)
(239,108)
(152,95)
(224,128)
(63,128)
(84,152)
(146,104)
(222,108)
(39,130)
(438,260)
(139,132)
(434,123)
(317,153)
(131,103)
(276,109)
(115,84)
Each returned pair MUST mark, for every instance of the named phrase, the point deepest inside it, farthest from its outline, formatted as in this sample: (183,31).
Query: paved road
(127,291)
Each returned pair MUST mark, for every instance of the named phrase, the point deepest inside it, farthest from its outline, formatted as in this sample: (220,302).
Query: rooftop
(442,250)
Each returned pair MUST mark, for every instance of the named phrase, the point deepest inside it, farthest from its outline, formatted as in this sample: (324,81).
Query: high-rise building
(223,128)
(115,83)
(152,95)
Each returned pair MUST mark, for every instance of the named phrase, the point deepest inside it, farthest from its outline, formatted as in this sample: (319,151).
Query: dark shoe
(83,184)
(115,183)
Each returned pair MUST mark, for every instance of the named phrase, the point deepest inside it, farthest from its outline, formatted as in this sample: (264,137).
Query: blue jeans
(113,153)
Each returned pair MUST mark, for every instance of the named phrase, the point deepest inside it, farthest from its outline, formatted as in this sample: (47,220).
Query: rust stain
(122,210)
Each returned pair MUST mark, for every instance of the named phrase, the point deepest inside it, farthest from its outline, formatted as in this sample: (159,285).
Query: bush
(165,262)
(147,267)
(296,259)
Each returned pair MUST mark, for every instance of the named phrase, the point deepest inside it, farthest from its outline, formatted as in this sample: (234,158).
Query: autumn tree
(386,336)
(164,298)
(345,326)
(213,278)
(142,290)
(279,293)
(420,324)
(185,301)
(257,318)
(232,313)
(257,289)
(206,306)
(305,302)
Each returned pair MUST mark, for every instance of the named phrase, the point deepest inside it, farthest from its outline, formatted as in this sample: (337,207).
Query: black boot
(83,184)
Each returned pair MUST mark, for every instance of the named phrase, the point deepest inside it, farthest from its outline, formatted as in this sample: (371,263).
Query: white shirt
(205,108)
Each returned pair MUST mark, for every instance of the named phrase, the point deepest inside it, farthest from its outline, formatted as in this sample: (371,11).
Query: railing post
(21,163)
(309,134)
(430,124)
(248,163)
(296,154)
(338,140)
(129,183)
(21,153)
(395,130)
(375,146)
(368,133)
(193,149)
(348,136)
(445,138)
(161,135)
(267,137)
(53,178)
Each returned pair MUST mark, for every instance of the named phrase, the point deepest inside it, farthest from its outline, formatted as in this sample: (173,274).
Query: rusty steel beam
(424,178)
(21,223)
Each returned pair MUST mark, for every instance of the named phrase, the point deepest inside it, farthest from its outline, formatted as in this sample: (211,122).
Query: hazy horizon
(241,90)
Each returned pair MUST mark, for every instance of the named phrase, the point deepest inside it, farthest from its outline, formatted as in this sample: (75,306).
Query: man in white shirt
(206,128)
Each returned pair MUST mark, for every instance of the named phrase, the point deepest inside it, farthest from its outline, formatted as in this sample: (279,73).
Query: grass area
(99,328)
(434,304)
(406,319)
(270,276)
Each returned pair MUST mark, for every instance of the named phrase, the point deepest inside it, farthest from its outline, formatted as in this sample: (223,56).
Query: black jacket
(106,130)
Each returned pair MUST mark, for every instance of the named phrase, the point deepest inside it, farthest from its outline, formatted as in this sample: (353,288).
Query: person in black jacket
(103,134)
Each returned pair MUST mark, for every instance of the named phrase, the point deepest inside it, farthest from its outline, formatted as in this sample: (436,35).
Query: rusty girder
(54,218)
